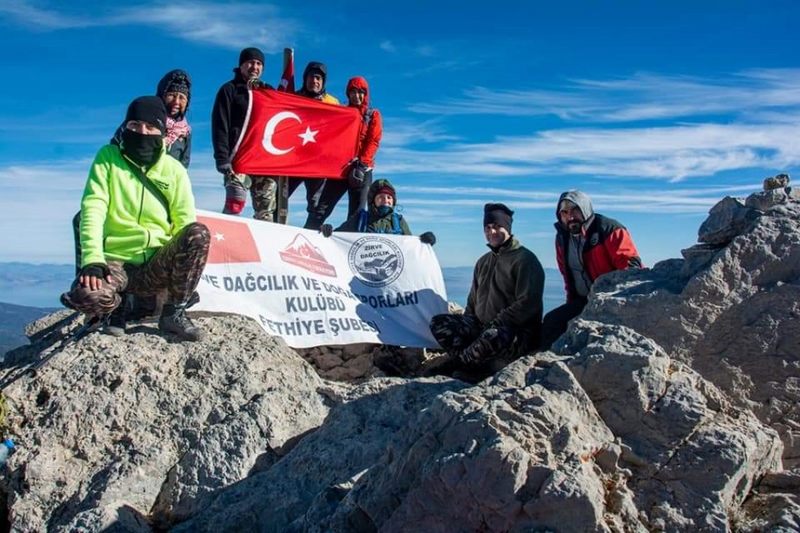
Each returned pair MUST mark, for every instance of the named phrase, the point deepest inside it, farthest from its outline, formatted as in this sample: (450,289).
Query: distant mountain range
(31,291)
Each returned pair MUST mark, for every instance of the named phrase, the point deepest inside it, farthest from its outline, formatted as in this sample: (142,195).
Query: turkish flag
(231,242)
(289,135)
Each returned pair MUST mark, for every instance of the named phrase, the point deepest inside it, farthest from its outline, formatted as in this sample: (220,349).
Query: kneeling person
(504,308)
(138,229)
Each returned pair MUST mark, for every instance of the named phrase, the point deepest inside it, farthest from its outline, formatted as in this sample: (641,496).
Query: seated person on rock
(504,306)
(588,245)
(138,230)
(380,216)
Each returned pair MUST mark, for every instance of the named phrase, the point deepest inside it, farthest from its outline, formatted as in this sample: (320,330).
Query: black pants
(322,195)
(555,322)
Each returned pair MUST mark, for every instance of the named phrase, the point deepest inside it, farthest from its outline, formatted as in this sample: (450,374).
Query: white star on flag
(308,136)
(219,236)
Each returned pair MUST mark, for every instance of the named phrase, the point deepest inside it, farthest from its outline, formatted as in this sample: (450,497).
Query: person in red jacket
(588,245)
(359,177)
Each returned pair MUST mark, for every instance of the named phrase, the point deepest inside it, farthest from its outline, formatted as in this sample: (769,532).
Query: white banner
(312,291)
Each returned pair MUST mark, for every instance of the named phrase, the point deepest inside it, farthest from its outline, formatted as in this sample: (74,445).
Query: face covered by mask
(143,149)
(383,210)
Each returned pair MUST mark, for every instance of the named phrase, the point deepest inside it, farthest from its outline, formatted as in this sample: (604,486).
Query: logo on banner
(305,255)
(376,261)
(231,242)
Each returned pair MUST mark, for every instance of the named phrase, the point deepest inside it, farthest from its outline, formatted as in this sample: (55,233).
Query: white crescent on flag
(269,131)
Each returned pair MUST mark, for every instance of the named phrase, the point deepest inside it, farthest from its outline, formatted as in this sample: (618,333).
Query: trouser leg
(555,322)
(176,267)
(330,194)
(314,187)
(76,234)
(103,300)
(263,191)
(494,343)
(357,196)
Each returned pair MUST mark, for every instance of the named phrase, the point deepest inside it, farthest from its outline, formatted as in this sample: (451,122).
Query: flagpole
(282,194)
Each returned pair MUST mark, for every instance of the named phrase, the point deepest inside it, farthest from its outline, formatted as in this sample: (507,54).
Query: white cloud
(388,46)
(640,97)
(229,25)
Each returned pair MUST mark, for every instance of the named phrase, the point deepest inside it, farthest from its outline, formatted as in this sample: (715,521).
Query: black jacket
(227,117)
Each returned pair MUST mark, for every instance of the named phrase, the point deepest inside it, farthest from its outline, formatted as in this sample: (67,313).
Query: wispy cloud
(671,152)
(640,97)
(388,46)
(229,25)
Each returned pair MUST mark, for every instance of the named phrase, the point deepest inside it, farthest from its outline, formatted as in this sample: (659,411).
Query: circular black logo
(376,261)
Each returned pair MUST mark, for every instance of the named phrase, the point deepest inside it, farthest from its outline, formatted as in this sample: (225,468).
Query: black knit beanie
(148,109)
(251,53)
(497,214)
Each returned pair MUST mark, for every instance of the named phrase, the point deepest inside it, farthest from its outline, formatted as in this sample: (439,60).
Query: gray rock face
(671,404)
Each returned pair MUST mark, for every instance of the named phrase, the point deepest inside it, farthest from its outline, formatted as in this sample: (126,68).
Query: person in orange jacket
(359,176)
(588,245)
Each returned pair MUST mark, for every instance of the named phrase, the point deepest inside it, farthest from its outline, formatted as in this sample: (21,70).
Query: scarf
(175,130)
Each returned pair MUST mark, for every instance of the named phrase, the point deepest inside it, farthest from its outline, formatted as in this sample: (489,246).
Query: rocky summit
(671,404)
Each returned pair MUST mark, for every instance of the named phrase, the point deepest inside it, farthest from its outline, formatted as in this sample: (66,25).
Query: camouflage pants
(466,338)
(176,267)
(264,192)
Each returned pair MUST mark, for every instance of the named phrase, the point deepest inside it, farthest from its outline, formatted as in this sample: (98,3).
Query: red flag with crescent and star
(289,135)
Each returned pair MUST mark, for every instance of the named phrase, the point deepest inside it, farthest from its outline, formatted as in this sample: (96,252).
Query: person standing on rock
(588,245)
(315,77)
(138,229)
(359,177)
(227,120)
(504,307)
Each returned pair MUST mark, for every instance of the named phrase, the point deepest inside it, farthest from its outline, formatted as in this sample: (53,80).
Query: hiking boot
(174,320)
(116,322)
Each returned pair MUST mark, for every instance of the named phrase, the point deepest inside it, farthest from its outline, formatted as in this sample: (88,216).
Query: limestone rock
(726,220)
(776,182)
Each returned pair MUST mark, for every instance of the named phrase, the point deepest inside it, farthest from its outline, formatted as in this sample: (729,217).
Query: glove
(326,230)
(255,83)
(428,238)
(225,169)
(95,270)
(235,197)
(357,175)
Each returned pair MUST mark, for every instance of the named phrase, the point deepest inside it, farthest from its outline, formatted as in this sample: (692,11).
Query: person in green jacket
(138,229)
(503,317)
(380,216)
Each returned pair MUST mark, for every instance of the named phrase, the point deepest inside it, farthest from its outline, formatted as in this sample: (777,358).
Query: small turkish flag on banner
(289,135)
(231,242)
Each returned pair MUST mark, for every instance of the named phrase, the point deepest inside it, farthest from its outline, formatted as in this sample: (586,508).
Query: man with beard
(227,120)
(588,245)
(138,230)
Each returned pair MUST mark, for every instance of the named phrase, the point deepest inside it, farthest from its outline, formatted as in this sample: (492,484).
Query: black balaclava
(144,149)
(498,214)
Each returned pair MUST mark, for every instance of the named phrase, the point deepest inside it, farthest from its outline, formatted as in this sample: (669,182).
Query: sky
(656,109)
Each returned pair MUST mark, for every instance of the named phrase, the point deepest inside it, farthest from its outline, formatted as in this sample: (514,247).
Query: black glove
(96,270)
(225,169)
(428,238)
(326,230)
(357,174)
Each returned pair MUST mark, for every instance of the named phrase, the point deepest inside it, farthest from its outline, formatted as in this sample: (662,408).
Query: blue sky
(656,109)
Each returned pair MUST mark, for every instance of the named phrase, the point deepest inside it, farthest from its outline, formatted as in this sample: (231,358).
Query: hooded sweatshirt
(322,95)
(603,245)
(369,136)
(375,221)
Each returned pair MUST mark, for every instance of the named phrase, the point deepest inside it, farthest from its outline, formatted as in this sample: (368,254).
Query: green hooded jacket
(123,221)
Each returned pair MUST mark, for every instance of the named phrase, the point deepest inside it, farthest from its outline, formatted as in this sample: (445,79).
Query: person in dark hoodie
(380,217)
(315,77)
(359,176)
(175,89)
(588,245)
(227,120)
(503,316)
